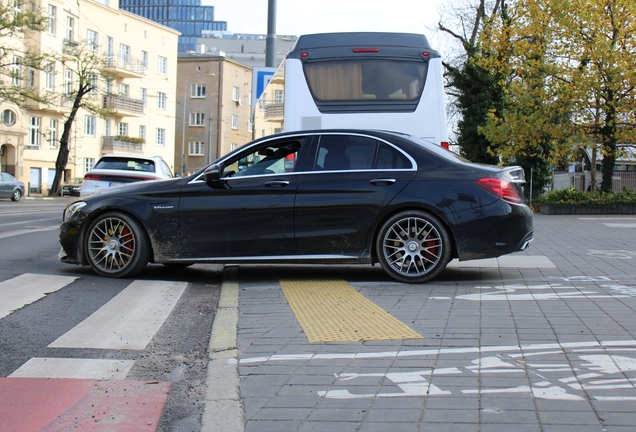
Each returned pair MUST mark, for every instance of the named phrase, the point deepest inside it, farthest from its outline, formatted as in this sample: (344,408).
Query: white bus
(388,81)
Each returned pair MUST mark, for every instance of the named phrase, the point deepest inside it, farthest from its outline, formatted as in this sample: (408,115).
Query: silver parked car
(10,187)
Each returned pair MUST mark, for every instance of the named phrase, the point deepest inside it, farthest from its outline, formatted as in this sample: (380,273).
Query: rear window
(126,164)
(366,80)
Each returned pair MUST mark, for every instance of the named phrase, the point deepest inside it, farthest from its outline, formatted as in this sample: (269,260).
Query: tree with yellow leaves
(570,78)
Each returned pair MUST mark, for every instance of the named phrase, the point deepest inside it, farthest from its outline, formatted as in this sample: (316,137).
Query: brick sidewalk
(510,346)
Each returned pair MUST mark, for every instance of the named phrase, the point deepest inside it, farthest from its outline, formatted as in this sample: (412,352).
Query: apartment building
(215,107)
(137,95)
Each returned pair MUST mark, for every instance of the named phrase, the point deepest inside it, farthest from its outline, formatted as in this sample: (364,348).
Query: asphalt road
(176,353)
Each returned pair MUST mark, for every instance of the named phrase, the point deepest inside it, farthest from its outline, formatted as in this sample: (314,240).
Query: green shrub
(572,197)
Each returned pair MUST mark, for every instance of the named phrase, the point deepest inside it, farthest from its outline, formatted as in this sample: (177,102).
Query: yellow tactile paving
(330,310)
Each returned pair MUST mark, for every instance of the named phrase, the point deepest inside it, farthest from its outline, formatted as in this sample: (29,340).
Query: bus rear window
(366,80)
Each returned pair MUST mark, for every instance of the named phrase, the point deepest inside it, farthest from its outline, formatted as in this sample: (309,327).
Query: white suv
(114,170)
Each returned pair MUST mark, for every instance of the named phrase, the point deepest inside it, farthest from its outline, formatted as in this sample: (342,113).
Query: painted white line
(620,225)
(506,261)
(128,321)
(98,369)
(27,231)
(548,348)
(27,288)
(607,218)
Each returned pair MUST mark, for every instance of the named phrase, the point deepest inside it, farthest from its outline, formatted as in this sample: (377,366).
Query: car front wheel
(17,194)
(117,245)
(413,247)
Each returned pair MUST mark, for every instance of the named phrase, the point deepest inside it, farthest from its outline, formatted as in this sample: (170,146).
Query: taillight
(366,50)
(91,177)
(445,145)
(501,188)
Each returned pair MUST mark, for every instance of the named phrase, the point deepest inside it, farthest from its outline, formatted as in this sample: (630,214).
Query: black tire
(117,245)
(17,194)
(413,247)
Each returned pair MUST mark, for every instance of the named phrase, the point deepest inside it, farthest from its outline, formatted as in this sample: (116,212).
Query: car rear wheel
(17,194)
(117,245)
(413,247)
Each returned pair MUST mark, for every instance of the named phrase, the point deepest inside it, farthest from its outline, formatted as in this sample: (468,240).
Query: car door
(354,178)
(4,186)
(250,210)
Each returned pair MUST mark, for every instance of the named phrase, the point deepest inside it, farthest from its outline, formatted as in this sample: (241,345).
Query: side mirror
(212,173)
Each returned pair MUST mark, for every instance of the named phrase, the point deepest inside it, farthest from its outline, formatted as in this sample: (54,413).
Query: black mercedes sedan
(317,197)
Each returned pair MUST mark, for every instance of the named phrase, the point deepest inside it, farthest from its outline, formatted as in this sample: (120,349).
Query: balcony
(122,144)
(125,67)
(58,104)
(70,49)
(124,106)
(274,111)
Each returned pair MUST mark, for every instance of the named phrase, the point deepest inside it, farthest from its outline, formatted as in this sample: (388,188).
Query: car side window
(391,158)
(345,152)
(165,169)
(277,157)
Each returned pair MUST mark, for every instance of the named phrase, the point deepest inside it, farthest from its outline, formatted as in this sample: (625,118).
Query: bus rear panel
(389,81)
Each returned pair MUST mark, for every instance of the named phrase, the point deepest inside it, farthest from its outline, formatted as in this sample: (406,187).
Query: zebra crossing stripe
(128,321)
(98,369)
(28,288)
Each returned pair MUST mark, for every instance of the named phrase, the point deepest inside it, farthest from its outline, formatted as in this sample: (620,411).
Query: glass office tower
(185,16)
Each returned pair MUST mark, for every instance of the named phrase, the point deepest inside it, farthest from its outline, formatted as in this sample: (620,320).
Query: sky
(297,17)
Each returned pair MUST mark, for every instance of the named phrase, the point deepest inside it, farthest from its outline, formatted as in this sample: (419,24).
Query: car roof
(131,156)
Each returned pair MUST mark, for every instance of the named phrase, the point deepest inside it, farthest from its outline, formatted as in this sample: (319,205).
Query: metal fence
(581,180)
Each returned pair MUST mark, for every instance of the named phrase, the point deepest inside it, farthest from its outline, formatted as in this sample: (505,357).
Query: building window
(197,90)
(31,77)
(52,19)
(278,96)
(163,65)
(250,126)
(15,71)
(8,117)
(234,121)
(144,96)
(53,133)
(124,53)
(144,60)
(68,82)
(92,40)
(107,127)
(89,125)
(88,164)
(124,90)
(162,100)
(34,131)
(122,128)
(92,78)
(234,146)
(70,24)
(49,81)
(235,94)
(142,131)
(197,119)
(195,148)
(161,137)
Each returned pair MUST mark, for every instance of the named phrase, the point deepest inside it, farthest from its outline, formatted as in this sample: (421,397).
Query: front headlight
(72,209)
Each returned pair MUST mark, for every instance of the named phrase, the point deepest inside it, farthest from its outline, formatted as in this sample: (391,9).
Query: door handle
(277,183)
(382,181)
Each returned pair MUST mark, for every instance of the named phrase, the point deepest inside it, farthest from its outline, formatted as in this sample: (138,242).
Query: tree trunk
(62,155)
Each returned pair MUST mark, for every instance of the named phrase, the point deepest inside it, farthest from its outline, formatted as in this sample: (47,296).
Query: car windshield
(129,164)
